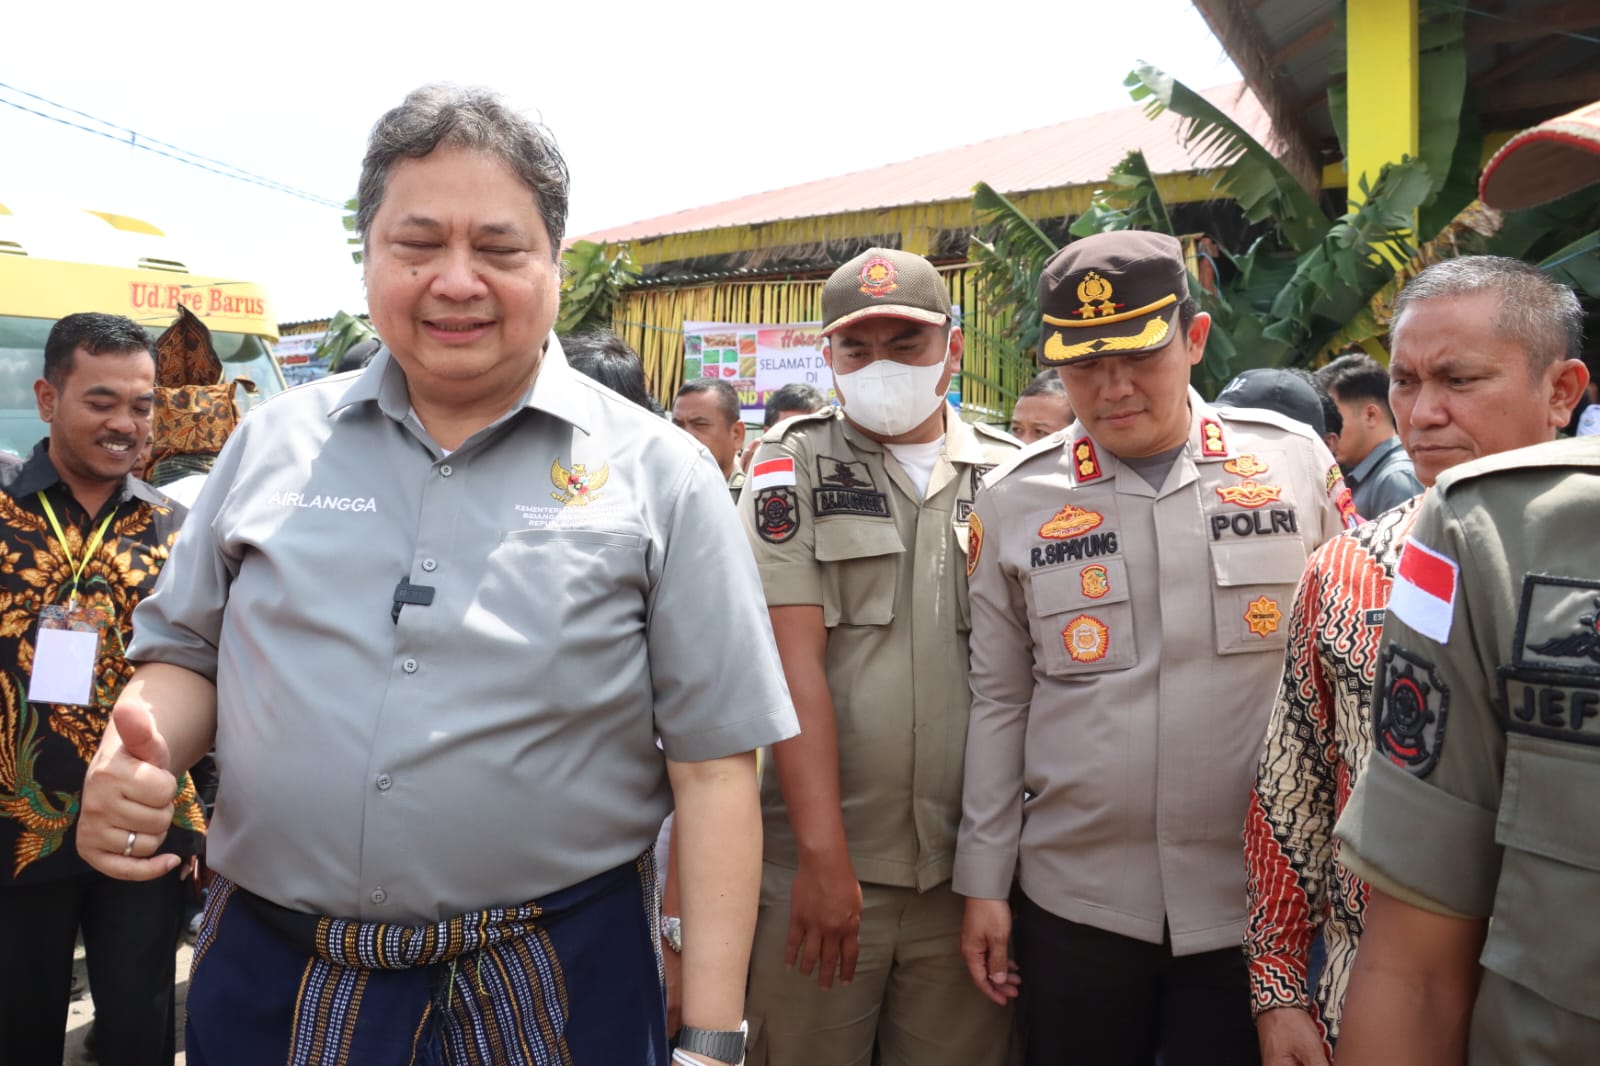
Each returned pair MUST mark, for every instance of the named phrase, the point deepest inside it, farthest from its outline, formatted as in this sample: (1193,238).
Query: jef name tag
(64,655)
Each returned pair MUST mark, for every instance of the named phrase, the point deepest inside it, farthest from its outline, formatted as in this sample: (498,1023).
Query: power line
(133,138)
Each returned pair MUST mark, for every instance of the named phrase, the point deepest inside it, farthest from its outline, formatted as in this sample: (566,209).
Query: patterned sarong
(573,979)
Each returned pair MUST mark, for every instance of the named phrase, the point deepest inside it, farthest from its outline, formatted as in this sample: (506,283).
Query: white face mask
(891,398)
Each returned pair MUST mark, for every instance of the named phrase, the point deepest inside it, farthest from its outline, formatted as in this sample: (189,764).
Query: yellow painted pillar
(1381,43)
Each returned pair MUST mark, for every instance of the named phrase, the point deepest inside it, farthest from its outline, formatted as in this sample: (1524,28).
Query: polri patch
(1411,711)
(974,543)
(777,515)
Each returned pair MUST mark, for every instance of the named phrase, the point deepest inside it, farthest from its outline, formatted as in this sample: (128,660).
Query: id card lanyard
(88,549)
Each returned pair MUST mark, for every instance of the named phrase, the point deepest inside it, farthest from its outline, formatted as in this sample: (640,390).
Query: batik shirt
(1317,740)
(45,748)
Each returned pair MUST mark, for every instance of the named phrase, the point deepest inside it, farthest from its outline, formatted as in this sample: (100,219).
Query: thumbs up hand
(128,796)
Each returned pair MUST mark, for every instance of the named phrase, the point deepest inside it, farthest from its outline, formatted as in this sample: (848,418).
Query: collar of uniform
(37,473)
(1362,470)
(960,439)
(1099,464)
(554,390)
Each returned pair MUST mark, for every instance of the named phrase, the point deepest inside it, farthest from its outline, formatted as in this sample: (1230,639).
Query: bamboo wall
(651,321)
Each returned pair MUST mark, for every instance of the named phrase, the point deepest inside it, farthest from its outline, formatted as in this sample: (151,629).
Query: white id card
(64,656)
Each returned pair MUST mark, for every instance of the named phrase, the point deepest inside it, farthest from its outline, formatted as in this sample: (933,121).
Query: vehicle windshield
(22,361)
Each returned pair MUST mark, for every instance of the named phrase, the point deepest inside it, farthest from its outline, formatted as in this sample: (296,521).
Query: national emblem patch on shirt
(1424,591)
(579,486)
(1411,711)
(772,473)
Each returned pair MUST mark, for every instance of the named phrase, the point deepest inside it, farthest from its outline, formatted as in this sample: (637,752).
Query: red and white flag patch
(1424,592)
(772,473)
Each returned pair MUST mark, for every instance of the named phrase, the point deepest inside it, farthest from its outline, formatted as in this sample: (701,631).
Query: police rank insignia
(577,485)
(1086,639)
(1245,466)
(1411,712)
(1085,461)
(1070,522)
(1262,616)
(1250,493)
(877,277)
(1095,292)
(1094,581)
(974,542)
(776,515)
(1212,444)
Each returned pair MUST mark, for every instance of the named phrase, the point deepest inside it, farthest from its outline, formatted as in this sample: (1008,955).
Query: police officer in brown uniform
(1131,579)
(858,517)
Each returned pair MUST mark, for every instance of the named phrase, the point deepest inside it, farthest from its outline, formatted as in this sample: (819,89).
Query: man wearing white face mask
(858,517)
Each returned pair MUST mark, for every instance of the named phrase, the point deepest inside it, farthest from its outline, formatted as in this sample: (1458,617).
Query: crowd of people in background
(629,735)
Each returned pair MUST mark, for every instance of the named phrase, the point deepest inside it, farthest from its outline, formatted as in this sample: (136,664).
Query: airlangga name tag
(64,655)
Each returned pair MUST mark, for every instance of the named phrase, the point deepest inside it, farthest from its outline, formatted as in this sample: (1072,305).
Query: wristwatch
(672,932)
(724,1045)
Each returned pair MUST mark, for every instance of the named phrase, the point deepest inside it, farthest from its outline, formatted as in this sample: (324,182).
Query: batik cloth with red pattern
(1317,740)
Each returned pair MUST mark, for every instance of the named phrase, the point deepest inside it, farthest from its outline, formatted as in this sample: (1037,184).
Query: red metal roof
(1080,151)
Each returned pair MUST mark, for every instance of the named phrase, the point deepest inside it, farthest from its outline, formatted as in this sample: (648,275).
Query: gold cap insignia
(1095,292)
(877,277)
(577,485)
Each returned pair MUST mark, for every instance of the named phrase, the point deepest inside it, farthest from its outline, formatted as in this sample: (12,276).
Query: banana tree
(593,276)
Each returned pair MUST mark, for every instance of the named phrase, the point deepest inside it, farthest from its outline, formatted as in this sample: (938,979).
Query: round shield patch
(1095,581)
(776,515)
(1086,639)
(1411,712)
(877,277)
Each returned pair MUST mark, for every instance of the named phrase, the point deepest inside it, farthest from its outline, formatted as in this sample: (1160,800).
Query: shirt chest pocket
(1550,874)
(1254,591)
(861,571)
(1084,618)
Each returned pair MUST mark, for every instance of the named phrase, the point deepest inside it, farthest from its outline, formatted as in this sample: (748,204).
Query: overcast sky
(657,107)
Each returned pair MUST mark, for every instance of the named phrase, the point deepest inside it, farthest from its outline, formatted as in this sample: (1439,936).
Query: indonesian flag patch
(772,473)
(1424,592)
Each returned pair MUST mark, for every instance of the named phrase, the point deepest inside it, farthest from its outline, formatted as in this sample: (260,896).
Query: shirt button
(378,895)
(384,781)
(446,470)
(430,565)
(410,666)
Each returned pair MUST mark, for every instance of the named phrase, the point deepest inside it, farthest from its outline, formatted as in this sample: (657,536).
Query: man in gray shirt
(1376,466)
(440,778)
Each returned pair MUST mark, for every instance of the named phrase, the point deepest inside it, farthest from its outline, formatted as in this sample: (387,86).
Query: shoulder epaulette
(1579,452)
(995,433)
(1262,416)
(822,414)
(1043,446)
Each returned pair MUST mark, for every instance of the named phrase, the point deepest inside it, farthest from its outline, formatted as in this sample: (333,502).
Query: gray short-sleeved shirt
(592,590)
(1384,479)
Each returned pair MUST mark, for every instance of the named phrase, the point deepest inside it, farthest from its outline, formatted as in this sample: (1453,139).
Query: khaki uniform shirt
(390,759)
(852,534)
(1126,647)
(1479,798)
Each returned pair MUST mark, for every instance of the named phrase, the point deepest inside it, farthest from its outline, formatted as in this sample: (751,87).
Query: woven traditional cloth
(569,980)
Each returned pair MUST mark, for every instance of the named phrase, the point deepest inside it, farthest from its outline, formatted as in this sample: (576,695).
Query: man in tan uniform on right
(1131,578)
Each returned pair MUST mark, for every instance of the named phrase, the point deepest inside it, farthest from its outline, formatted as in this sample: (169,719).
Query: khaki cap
(885,282)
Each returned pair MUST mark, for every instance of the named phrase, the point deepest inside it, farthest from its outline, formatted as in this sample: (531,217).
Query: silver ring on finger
(127,849)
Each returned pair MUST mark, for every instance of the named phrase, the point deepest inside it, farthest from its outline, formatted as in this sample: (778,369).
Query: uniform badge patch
(1085,461)
(1250,493)
(1334,476)
(974,542)
(1262,615)
(846,487)
(1552,687)
(777,515)
(1070,522)
(978,470)
(877,277)
(1095,581)
(1212,443)
(578,486)
(1086,639)
(1245,466)
(1346,502)
(1411,712)
(1424,592)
